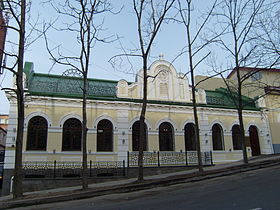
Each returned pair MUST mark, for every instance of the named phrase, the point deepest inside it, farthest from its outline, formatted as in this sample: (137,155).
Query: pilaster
(204,132)
(123,125)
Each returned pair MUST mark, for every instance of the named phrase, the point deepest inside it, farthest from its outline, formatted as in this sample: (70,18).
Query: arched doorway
(37,133)
(236,137)
(190,142)
(166,137)
(254,140)
(217,137)
(104,136)
(136,136)
(72,135)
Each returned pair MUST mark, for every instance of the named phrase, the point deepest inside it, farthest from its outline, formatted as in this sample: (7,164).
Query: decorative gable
(164,84)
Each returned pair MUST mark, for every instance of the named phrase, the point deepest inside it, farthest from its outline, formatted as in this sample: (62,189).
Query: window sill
(69,152)
(35,152)
(103,153)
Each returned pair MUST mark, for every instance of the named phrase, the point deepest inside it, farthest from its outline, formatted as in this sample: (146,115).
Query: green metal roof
(65,85)
(221,97)
(71,87)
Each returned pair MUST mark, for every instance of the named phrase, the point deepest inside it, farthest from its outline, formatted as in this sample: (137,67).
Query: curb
(125,188)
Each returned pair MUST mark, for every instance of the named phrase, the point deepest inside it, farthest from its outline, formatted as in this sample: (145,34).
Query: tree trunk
(142,123)
(84,136)
(197,138)
(17,185)
(240,114)
(242,136)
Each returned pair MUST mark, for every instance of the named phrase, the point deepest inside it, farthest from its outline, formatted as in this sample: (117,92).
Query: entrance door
(190,141)
(254,141)
(166,137)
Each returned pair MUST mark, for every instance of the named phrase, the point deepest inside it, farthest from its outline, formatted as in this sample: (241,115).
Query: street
(254,190)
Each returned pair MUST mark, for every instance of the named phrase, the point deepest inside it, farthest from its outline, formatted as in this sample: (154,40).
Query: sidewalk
(128,185)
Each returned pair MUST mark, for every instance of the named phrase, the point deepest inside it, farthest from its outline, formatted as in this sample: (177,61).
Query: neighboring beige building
(267,85)
(4,120)
(262,84)
(53,118)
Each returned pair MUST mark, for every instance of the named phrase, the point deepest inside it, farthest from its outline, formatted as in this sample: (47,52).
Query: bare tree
(195,47)
(17,14)
(150,15)
(267,32)
(236,19)
(82,20)
(20,22)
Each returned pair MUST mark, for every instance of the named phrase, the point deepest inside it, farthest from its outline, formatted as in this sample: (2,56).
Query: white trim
(253,124)
(123,105)
(103,153)
(104,117)
(37,113)
(158,63)
(217,122)
(149,126)
(69,152)
(232,124)
(175,128)
(36,152)
(186,122)
(68,116)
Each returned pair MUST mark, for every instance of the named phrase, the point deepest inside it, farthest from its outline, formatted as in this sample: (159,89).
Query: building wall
(272,112)
(207,83)
(123,115)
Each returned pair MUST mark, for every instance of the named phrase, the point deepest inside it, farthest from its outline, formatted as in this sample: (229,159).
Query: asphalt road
(254,190)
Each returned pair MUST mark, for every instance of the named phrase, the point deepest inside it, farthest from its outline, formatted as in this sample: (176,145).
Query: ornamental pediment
(164,84)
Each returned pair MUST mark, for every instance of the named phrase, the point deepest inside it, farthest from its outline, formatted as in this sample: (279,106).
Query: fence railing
(57,169)
(157,159)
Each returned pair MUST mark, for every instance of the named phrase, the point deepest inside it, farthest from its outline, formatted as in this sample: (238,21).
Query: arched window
(166,142)
(236,137)
(136,136)
(217,137)
(72,135)
(104,136)
(254,140)
(37,133)
(190,142)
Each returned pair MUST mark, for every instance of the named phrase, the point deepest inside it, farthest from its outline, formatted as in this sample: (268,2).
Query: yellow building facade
(169,96)
(53,116)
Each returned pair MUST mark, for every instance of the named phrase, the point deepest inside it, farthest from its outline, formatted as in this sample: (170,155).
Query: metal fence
(58,169)
(157,159)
